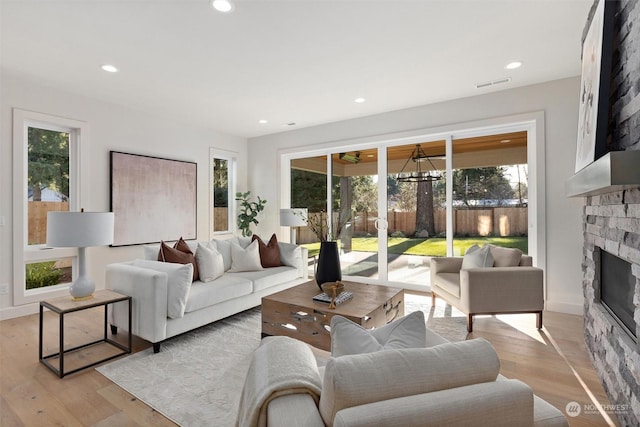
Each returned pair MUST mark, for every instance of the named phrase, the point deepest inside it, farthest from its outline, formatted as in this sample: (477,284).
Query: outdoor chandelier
(418,157)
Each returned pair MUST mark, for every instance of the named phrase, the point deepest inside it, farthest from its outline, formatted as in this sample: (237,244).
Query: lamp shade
(79,229)
(293,217)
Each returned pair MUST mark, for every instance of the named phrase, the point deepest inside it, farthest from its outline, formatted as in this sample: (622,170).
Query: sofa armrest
(148,291)
(293,410)
(501,289)
(446,265)
(498,403)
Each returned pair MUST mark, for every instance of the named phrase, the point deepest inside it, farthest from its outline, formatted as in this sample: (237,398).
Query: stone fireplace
(611,224)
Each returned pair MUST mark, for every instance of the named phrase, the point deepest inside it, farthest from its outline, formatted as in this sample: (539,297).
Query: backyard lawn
(428,247)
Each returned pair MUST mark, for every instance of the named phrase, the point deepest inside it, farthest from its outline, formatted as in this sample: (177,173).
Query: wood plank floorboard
(553,362)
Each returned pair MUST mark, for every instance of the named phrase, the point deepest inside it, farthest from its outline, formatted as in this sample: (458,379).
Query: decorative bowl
(333,289)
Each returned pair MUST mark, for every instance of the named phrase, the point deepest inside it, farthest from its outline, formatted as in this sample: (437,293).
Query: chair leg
(433,298)
(469,322)
(539,320)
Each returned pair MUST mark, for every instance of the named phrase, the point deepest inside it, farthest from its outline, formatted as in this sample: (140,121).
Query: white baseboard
(19,311)
(563,307)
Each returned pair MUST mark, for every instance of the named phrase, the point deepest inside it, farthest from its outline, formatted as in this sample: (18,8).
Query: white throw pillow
(477,257)
(245,259)
(505,257)
(178,283)
(224,247)
(348,337)
(289,254)
(210,262)
(151,252)
(243,241)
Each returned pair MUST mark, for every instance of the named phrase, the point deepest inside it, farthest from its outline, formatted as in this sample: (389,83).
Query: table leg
(105,322)
(130,316)
(61,374)
(40,335)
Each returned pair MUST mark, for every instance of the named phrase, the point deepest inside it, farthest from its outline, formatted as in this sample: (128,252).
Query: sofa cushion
(210,262)
(389,374)
(505,257)
(290,254)
(247,259)
(222,289)
(477,257)
(450,282)
(348,337)
(180,253)
(269,252)
(266,278)
(178,283)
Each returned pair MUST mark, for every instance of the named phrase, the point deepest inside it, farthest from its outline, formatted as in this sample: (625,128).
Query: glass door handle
(381,224)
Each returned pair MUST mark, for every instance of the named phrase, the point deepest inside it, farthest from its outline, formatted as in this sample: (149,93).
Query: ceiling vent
(493,82)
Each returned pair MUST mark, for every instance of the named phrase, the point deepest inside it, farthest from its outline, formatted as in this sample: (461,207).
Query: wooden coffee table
(294,313)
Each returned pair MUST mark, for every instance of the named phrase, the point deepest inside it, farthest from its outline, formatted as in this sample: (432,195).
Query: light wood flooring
(552,361)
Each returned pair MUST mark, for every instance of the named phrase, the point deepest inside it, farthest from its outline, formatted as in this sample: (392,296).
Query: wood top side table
(65,305)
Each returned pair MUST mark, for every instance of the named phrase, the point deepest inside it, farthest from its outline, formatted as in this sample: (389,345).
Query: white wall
(111,127)
(558,100)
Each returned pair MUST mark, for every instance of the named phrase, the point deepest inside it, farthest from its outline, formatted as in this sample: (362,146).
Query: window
(46,178)
(222,190)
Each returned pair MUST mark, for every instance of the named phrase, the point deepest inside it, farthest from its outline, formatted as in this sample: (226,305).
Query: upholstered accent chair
(509,285)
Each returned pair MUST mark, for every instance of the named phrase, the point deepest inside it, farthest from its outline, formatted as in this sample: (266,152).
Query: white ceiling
(301,61)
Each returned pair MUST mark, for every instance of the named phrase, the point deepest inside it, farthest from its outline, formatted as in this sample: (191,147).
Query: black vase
(328,266)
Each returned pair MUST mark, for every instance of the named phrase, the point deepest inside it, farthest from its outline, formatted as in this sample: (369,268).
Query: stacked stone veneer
(612,222)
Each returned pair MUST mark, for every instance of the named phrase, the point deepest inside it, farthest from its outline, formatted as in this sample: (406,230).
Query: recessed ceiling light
(263,121)
(359,100)
(222,5)
(513,65)
(504,141)
(109,68)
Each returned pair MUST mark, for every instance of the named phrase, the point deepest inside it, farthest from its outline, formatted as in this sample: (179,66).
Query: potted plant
(248,212)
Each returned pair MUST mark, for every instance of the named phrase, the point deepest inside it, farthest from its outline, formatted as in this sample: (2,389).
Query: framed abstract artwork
(594,87)
(152,199)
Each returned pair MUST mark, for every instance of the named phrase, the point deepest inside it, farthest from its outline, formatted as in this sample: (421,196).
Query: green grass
(428,247)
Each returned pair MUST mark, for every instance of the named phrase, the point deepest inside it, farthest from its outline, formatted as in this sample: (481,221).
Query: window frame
(232,161)
(23,252)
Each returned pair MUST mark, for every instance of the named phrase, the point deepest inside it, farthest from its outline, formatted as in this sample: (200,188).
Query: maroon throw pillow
(180,253)
(269,253)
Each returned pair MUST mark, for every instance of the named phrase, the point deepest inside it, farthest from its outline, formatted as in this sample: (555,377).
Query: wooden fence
(38,219)
(498,221)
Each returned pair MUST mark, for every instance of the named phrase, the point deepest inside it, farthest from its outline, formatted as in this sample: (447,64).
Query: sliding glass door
(395,205)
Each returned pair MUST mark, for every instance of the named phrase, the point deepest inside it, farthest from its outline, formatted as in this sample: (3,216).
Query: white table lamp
(296,217)
(81,230)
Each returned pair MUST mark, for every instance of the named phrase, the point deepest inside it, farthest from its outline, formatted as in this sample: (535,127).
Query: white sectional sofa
(229,294)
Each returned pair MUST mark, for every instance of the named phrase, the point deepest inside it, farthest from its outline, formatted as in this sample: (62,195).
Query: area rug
(197,377)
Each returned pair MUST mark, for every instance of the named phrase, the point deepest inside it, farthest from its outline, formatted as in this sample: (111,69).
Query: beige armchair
(491,290)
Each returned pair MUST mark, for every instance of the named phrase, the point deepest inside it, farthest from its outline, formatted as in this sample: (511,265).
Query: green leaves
(248,212)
